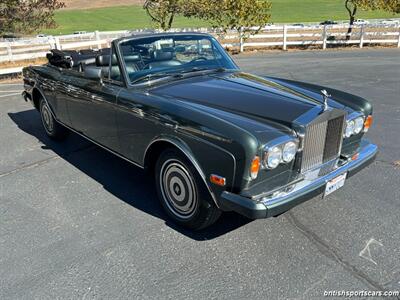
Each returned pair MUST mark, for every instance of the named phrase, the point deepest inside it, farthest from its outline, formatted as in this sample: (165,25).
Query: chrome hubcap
(47,119)
(178,189)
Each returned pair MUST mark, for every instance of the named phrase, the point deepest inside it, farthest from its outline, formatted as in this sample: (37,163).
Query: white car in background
(360,22)
(389,22)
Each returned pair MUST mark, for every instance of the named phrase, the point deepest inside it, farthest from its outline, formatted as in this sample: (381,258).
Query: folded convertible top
(72,58)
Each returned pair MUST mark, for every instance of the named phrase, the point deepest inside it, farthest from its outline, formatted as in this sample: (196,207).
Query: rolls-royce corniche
(215,138)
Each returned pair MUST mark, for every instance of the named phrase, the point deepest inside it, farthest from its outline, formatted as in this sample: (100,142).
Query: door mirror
(93,73)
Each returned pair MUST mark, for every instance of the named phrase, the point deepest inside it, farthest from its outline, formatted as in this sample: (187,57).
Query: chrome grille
(322,142)
(334,138)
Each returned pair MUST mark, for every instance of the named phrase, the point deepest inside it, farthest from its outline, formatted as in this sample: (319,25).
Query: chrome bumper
(310,186)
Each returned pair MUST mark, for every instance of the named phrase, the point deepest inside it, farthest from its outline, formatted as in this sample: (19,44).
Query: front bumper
(311,185)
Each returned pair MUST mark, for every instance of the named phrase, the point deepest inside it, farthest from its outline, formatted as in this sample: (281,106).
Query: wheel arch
(36,96)
(158,145)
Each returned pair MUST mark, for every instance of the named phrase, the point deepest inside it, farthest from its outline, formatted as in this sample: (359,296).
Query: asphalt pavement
(78,222)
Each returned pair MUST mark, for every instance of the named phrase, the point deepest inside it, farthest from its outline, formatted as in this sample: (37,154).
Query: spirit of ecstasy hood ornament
(326,96)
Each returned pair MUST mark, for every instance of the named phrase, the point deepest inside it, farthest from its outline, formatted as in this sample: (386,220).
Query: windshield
(160,56)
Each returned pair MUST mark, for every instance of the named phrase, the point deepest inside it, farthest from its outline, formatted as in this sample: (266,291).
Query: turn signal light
(255,167)
(218,180)
(368,123)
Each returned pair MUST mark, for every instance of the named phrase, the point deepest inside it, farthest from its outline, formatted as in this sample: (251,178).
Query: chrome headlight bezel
(358,125)
(289,151)
(354,124)
(274,155)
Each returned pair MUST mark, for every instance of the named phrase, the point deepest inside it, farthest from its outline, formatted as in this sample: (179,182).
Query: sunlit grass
(134,17)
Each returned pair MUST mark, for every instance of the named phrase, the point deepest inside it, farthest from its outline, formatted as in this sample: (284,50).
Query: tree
(27,16)
(353,5)
(163,12)
(245,16)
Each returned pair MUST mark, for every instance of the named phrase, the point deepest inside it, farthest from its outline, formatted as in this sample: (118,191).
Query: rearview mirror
(93,73)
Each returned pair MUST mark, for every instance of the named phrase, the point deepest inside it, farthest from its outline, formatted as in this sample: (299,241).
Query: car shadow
(122,179)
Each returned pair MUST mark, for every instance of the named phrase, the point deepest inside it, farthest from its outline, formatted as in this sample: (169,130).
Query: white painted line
(10,91)
(11,71)
(9,95)
(12,84)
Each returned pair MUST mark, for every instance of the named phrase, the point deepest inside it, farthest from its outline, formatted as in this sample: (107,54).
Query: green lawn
(133,17)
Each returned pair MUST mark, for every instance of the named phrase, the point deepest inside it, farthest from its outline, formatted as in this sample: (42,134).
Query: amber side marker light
(355,156)
(218,180)
(255,167)
(368,123)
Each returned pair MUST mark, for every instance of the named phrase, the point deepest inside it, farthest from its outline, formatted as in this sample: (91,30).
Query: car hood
(249,95)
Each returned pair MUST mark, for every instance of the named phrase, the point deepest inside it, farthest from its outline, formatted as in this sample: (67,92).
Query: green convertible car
(216,139)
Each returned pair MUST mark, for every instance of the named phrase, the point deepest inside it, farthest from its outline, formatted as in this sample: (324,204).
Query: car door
(136,123)
(52,84)
(91,109)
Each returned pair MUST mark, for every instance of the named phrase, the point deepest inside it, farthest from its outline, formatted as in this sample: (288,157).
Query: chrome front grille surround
(322,139)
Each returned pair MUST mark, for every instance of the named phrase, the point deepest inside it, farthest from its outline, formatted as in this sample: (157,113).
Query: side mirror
(93,73)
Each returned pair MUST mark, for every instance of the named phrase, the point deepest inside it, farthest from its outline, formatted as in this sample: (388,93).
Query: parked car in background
(10,36)
(214,137)
(298,25)
(389,22)
(328,22)
(360,22)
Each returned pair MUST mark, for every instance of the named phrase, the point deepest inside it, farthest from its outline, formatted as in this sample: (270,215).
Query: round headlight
(273,157)
(358,125)
(289,151)
(349,128)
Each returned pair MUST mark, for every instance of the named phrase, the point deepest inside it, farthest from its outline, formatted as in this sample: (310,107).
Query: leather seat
(103,61)
(85,62)
(163,59)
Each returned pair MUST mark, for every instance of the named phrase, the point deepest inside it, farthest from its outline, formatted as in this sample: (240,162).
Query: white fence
(282,36)
(286,36)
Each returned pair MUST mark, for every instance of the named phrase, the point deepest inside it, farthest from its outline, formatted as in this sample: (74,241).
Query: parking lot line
(9,95)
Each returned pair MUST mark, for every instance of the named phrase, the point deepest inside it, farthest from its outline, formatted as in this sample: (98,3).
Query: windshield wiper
(197,69)
(149,77)
(194,69)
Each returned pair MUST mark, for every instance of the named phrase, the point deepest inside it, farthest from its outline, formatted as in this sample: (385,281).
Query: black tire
(182,192)
(53,129)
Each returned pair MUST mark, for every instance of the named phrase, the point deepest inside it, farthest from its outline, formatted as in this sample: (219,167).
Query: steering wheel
(199,58)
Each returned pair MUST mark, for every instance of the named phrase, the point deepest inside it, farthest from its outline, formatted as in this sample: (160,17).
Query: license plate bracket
(335,184)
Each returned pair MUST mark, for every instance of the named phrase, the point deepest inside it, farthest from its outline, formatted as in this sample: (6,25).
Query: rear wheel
(182,192)
(53,129)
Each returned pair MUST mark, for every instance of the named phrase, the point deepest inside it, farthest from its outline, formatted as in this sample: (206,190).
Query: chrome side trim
(313,181)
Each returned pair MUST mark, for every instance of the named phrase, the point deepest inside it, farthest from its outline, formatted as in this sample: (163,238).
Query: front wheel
(53,129)
(182,192)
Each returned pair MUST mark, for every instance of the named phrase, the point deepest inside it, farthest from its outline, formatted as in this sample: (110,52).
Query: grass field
(133,17)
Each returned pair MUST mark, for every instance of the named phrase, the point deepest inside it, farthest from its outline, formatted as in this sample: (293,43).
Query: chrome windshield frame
(117,43)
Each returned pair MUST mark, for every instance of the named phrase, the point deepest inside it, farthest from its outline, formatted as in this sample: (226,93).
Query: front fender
(206,157)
